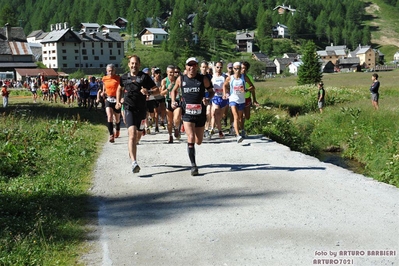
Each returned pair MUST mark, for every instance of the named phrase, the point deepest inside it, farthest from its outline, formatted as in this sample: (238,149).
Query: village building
(91,49)
(245,41)
(14,49)
(153,36)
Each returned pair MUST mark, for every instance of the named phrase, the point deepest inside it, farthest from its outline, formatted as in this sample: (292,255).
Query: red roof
(46,72)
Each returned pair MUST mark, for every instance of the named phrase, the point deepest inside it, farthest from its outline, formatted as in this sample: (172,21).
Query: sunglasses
(192,64)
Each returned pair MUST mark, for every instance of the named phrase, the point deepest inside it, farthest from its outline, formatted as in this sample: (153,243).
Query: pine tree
(310,71)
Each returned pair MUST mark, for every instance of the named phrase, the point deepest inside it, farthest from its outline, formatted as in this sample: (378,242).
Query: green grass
(47,153)
(349,121)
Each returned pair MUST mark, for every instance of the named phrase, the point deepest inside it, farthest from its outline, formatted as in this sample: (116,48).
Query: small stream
(336,159)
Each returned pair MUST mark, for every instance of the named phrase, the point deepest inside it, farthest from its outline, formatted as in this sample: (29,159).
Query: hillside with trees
(323,21)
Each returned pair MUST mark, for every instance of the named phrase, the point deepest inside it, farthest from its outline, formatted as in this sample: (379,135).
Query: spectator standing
(5,93)
(321,93)
(374,90)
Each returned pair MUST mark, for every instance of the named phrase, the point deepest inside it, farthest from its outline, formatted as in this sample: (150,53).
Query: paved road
(254,203)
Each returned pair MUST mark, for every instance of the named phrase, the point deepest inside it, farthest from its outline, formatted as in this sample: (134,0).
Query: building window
(84,51)
(54,58)
(54,52)
(101,65)
(75,44)
(76,65)
(118,45)
(85,58)
(63,44)
(92,45)
(76,58)
(44,52)
(110,45)
(110,52)
(64,58)
(96,58)
(44,44)
(116,65)
(92,52)
(101,44)
(84,44)
(64,51)
(112,58)
(53,44)
(64,65)
(76,51)
(45,58)
(119,52)
(102,52)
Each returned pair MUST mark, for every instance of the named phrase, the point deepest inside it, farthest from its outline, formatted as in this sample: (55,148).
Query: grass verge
(47,154)
(348,124)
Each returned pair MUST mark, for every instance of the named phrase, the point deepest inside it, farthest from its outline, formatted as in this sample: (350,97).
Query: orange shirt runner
(111,84)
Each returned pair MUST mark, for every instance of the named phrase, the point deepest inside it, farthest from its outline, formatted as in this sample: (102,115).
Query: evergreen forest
(323,21)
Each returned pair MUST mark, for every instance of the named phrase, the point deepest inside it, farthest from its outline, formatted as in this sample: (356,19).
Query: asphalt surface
(254,203)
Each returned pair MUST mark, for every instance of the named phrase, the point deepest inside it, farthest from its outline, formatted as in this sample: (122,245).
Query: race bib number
(239,89)
(193,109)
(111,99)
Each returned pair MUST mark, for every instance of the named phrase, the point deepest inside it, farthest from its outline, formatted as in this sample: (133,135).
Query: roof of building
(90,25)
(56,35)
(36,71)
(38,34)
(20,48)
(260,56)
(284,61)
(245,35)
(16,34)
(284,7)
(110,26)
(120,18)
(349,60)
(153,31)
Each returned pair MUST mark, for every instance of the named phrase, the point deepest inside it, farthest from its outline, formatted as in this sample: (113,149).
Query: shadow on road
(225,168)
(153,208)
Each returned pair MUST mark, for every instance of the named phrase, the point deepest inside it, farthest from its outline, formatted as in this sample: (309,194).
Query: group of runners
(194,100)
(67,91)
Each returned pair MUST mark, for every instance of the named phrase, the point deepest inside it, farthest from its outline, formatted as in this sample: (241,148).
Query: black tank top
(193,89)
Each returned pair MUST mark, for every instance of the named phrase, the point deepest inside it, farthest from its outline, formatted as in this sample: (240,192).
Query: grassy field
(349,123)
(47,154)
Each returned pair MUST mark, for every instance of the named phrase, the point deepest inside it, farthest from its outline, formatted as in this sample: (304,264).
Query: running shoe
(194,170)
(163,125)
(117,133)
(111,138)
(170,139)
(135,168)
(148,131)
(206,134)
(232,131)
(221,135)
(239,139)
(243,133)
(176,132)
(156,129)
